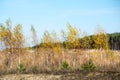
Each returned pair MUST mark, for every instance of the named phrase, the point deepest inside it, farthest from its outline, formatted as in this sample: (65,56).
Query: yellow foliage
(72,37)
(101,39)
(86,40)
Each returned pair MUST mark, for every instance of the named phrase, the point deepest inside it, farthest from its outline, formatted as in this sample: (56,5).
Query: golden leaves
(101,39)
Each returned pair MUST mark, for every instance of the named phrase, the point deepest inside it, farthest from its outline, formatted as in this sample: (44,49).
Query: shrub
(35,69)
(21,68)
(89,65)
(65,65)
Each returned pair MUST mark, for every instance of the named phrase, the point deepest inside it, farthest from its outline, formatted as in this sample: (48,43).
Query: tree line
(73,38)
(73,41)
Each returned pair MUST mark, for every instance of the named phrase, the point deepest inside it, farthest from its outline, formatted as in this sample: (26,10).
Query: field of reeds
(65,64)
(67,59)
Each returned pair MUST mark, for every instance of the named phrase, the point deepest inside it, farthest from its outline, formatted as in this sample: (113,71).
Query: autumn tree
(19,40)
(63,38)
(13,40)
(51,40)
(72,37)
(1,43)
(101,39)
(35,39)
(85,41)
(56,42)
(47,41)
(8,39)
(72,40)
(47,44)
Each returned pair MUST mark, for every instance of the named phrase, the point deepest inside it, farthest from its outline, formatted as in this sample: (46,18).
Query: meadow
(89,55)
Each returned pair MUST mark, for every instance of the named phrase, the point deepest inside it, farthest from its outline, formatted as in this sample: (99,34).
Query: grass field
(48,64)
(47,60)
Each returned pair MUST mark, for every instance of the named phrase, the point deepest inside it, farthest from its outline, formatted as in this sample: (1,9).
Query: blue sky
(55,14)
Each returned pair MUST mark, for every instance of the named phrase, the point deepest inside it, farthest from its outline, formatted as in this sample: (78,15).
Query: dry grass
(68,76)
(49,60)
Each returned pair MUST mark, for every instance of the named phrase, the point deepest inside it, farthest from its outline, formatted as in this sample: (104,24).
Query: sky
(56,14)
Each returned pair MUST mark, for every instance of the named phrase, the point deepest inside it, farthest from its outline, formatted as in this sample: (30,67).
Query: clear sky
(55,14)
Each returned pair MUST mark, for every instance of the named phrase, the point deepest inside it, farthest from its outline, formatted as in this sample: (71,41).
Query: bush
(35,69)
(65,65)
(21,68)
(89,65)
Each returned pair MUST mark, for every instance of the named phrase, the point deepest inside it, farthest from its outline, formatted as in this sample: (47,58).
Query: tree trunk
(11,57)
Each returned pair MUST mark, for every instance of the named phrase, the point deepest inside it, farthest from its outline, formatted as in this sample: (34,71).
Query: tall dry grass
(48,60)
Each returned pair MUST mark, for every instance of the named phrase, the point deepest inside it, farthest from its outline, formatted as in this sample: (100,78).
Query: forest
(72,51)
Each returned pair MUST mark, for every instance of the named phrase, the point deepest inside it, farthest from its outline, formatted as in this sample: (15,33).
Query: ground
(85,75)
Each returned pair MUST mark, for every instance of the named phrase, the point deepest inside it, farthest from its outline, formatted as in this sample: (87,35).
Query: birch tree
(19,40)
(85,41)
(101,41)
(47,41)
(8,39)
(35,39)
(72,37)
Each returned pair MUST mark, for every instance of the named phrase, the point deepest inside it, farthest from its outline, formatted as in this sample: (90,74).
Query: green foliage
(89,65)
(21,68)
(114,41)
(35,69)
(65,65)
(85,41)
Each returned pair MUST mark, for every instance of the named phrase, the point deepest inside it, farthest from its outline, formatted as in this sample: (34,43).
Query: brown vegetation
(47,62)
(54,54)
